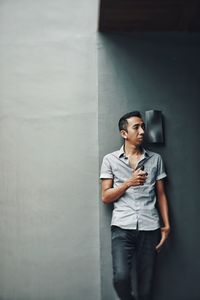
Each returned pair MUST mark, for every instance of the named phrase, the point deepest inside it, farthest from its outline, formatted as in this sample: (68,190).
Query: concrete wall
(155,71)
(49,231)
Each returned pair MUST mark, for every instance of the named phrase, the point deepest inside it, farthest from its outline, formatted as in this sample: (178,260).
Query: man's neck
(132,150)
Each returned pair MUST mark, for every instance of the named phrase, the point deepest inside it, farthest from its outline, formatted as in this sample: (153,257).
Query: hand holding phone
(142,169)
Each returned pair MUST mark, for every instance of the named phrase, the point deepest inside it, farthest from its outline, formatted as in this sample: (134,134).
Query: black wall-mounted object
(154,126)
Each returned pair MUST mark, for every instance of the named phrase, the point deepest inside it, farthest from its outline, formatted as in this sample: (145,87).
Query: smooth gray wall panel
(161,72)
(49,218)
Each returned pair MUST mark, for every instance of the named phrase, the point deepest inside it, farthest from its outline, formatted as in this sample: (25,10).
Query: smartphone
(142,168)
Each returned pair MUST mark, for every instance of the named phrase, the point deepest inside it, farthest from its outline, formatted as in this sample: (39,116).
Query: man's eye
(136,127)
(143,126)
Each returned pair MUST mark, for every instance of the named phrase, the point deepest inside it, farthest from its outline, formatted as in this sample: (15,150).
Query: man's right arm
(111,194)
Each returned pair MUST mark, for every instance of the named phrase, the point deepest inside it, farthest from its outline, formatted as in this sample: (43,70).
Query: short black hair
(122,124)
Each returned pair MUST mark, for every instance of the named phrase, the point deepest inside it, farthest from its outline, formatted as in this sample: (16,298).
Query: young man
(132,179)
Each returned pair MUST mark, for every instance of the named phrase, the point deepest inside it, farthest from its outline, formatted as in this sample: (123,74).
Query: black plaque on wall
(154,126)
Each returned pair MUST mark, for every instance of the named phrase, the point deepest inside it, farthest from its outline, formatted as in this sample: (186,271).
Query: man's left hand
(164,235)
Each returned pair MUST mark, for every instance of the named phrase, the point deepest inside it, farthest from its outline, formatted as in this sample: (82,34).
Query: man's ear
(123,134)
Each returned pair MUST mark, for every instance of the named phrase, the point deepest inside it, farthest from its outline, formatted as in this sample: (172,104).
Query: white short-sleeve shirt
(136,207)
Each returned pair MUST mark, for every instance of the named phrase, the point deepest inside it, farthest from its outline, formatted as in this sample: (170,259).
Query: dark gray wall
(154,71)
(49,218)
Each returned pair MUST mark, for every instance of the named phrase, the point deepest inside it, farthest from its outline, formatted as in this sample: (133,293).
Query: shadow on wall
(161,72)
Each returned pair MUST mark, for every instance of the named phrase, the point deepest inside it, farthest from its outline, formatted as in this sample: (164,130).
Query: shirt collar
(122,154)
(121,151)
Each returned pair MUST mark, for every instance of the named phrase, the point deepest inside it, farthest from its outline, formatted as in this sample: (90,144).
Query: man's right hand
(138,178)
(111,194)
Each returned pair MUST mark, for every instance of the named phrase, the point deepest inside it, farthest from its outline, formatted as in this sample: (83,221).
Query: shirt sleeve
(106,169)
(160,169)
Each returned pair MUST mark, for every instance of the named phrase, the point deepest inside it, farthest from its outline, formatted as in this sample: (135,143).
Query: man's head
(132,127)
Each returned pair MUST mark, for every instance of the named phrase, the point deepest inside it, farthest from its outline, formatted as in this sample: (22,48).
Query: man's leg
(123,248)
(146,256)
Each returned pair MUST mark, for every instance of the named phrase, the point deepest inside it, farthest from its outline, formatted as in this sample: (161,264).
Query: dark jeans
(126,244)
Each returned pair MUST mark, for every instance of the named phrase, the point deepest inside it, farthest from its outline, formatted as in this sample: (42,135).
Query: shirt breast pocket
(151,177)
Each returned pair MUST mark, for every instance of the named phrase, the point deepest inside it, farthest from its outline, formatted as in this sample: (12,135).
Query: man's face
(135,131)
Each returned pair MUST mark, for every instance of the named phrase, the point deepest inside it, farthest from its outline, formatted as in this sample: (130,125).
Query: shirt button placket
(137,206)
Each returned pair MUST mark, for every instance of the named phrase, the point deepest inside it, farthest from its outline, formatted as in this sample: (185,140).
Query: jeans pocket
(118,233)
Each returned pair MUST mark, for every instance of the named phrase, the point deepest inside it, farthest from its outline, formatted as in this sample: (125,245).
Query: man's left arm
(164,212)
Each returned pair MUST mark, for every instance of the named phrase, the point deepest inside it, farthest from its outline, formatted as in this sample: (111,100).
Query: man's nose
(141,130)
